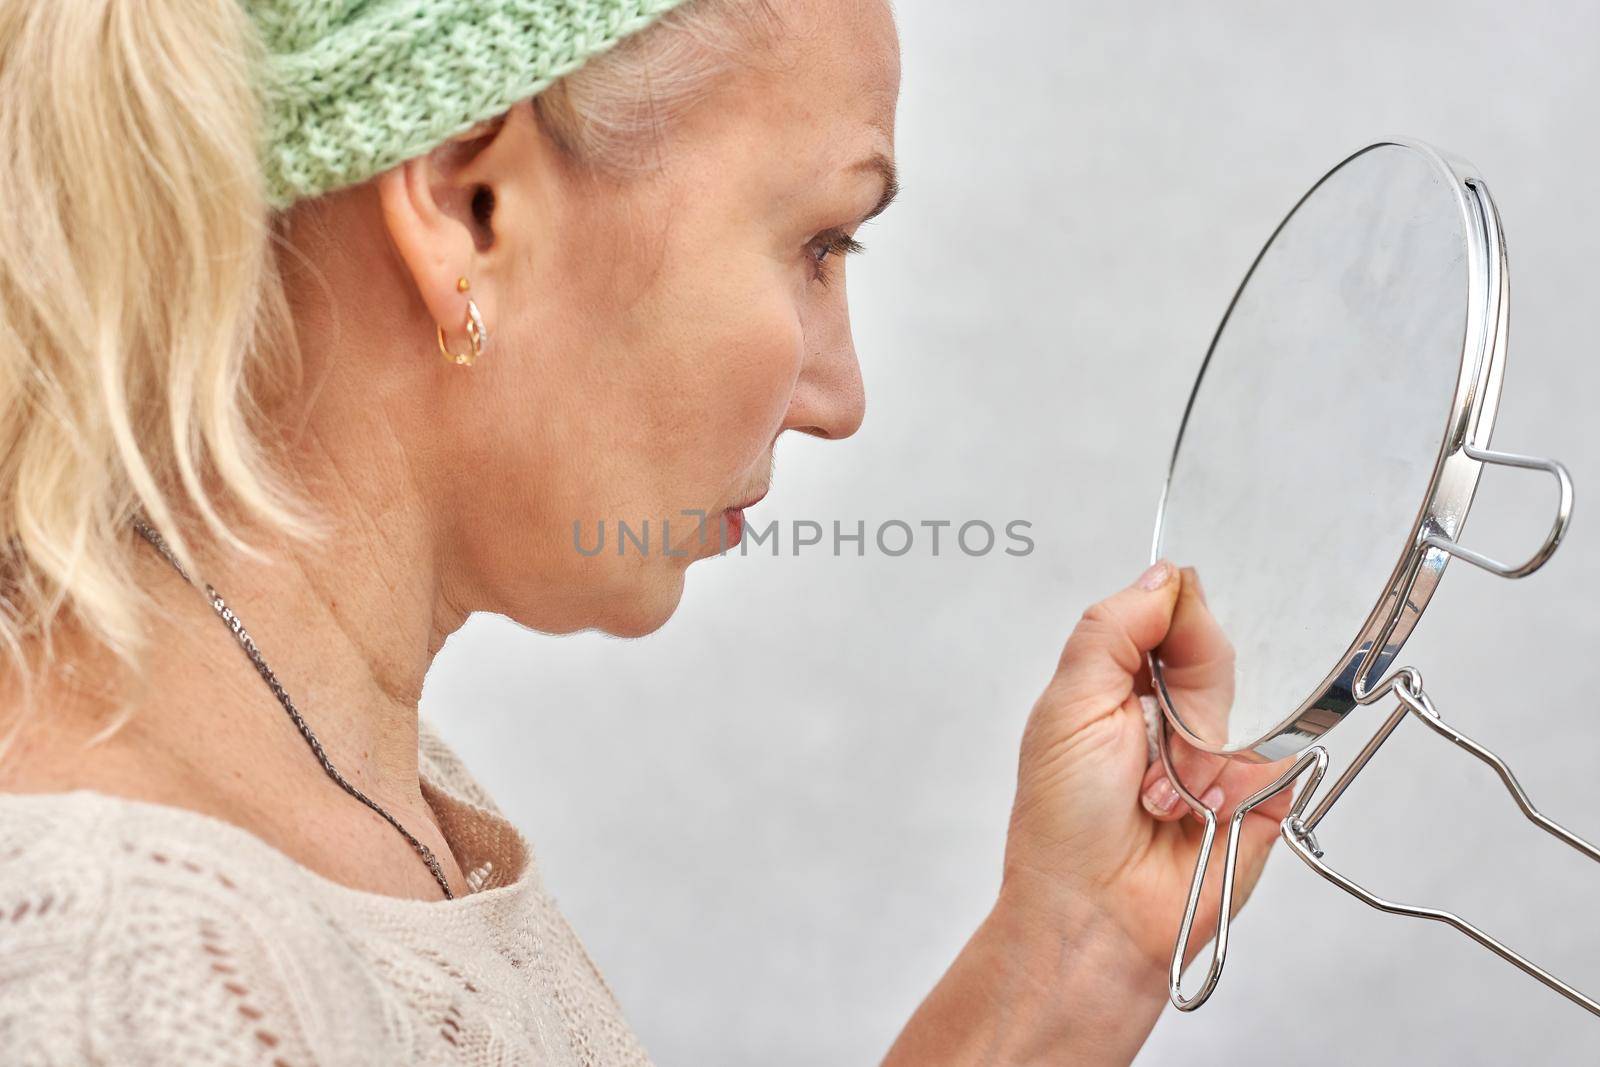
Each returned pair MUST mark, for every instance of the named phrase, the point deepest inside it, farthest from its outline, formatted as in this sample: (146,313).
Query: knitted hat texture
(353,87)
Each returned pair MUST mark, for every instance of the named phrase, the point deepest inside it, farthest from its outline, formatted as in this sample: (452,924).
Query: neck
(348,624)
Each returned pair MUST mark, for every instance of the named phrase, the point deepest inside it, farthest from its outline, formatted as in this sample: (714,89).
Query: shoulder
(138,938)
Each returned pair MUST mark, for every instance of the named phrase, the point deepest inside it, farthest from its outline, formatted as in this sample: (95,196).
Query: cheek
(758,367)
(750,363)
(630,402)
(724,345)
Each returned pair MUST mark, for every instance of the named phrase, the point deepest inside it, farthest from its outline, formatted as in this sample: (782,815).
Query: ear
(429,207)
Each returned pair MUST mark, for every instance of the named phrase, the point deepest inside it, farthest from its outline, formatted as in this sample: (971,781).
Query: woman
(356,313)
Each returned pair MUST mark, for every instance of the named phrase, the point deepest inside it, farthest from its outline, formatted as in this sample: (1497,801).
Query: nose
(829,399)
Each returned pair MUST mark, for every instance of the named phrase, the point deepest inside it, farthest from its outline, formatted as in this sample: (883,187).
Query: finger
(1240,781)
(1199,676)
(1198,666)
(1199,772)
(1107,649)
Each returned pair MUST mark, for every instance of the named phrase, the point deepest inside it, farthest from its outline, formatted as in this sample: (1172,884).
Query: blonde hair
(142,312)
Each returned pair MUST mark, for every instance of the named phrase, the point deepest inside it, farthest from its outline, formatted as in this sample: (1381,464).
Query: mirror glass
(1310,441)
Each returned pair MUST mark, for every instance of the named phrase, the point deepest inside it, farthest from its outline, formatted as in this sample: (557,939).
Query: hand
(1099,839)
(1071,965)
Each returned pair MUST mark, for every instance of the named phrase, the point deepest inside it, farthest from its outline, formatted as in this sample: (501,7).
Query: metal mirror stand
(1299,828)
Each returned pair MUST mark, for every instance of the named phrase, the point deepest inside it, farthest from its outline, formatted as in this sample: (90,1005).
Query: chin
(646,607)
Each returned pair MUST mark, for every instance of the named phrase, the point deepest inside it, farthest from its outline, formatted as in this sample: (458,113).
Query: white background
(776,821)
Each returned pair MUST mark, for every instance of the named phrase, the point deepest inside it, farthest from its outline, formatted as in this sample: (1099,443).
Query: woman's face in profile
(654,336)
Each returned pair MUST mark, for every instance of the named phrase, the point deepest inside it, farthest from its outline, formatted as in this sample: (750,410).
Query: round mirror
(1314,449)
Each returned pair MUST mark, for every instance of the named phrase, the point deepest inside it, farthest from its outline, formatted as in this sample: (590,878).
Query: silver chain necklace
(226,614)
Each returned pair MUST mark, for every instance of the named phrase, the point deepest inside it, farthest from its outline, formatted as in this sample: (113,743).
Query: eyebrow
(884,166)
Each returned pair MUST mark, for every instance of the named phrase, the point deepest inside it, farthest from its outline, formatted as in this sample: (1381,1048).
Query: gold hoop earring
(477,334)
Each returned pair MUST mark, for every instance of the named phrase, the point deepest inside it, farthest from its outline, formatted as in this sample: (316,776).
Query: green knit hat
(353,87)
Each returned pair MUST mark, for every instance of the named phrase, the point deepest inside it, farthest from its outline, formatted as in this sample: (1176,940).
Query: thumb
(1106,650)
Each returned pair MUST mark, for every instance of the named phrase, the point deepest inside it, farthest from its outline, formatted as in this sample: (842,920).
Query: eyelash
(833,242)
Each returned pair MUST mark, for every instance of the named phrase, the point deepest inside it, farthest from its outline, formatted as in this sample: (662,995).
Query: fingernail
(1157,576)
(1199,590)
(1213,798)
(1160,797)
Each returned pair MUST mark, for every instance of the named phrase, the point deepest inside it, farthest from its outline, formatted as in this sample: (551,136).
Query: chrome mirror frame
(1442,512)
(1353,680)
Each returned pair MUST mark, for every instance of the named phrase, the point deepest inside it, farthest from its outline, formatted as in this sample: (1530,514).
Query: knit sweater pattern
(142,934)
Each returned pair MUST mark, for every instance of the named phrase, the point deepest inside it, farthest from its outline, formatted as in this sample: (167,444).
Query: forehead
(832,70)
(782,125)
(837,58)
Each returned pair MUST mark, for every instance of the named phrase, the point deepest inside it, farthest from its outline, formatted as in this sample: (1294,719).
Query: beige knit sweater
(136,933)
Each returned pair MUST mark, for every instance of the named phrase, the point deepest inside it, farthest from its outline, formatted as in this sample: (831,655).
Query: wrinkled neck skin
(349,625)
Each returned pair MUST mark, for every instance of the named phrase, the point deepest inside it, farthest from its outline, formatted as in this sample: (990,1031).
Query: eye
(830,243)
